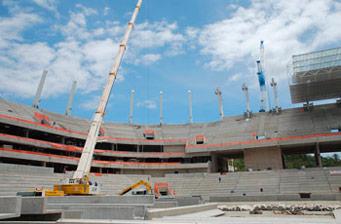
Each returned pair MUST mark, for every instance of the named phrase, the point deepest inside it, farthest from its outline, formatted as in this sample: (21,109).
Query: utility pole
(71,97)
(36,100)
(220,103)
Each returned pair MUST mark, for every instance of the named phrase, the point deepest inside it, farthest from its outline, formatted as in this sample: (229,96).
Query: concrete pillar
(273,84)
(37,97)
(220,103)
(318,156)
(213,165)
(283,161)
(190,113)
(161,108)
(263,158)
(247,100)
(131,111)
(71,97)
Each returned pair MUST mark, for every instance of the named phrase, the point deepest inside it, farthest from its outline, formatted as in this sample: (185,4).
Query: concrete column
(131,111)
(283,161)
(36,100)
(213,166)
(161,108)
(273,84)
(220,103)
(71,97)
(317,155)
(190,113)
(247,100)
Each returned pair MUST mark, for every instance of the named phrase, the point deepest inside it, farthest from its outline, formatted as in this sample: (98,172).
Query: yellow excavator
(161,189)
(147,191)
(80,183)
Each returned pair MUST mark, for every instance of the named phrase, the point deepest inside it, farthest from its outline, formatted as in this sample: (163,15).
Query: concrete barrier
(100,211)
(289,197)
(33,205)
(158,213)
(10,207)
(185,201)
(102,207)
(136,200)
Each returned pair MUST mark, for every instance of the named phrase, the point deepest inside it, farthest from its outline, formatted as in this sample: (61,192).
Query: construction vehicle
(134,189)
(161,189)
(80,183)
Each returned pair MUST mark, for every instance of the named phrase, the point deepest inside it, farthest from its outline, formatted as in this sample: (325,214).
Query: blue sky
(176,46)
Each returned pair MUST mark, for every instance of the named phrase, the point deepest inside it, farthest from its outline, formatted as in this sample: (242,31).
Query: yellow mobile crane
(80,184)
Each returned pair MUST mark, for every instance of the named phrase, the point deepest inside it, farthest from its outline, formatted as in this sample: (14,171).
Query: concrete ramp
(159,213)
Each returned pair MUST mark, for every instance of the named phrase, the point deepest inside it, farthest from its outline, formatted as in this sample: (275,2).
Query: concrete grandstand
(32,136)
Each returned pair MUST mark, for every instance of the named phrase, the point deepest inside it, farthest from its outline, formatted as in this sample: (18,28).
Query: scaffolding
(316,76)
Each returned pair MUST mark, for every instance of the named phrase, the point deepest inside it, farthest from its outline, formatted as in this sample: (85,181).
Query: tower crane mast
(261,79)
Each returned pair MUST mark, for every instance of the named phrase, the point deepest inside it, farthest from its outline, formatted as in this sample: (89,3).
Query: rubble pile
(293,209)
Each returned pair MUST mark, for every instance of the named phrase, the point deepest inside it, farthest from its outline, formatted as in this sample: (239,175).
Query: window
(149,134)
(199,139)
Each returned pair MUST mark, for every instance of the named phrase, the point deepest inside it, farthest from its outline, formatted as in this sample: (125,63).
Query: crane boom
(84,164)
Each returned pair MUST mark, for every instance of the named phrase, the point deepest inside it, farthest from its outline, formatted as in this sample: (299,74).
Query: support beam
(273,84)
(37,97)
(247,98)
(190,114)
(161,107)
(71,97)
(318,155)
(220,103)
(131,110)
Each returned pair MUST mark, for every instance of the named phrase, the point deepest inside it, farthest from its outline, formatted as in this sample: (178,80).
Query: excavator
(161,189)
(80,183)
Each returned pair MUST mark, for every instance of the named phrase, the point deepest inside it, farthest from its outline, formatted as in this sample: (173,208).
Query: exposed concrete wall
(161,173)
(174,148)
(263,158)
(14,168)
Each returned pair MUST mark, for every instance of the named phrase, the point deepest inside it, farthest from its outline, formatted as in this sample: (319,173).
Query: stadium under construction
(188,173)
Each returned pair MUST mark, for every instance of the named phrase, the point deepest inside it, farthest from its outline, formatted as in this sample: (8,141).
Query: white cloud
(106,10)
(90,103)
(157,35)
(234,77)
(148,59)
(50,5)
(287,27)
(149,104)
(12,27)
(84,54)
